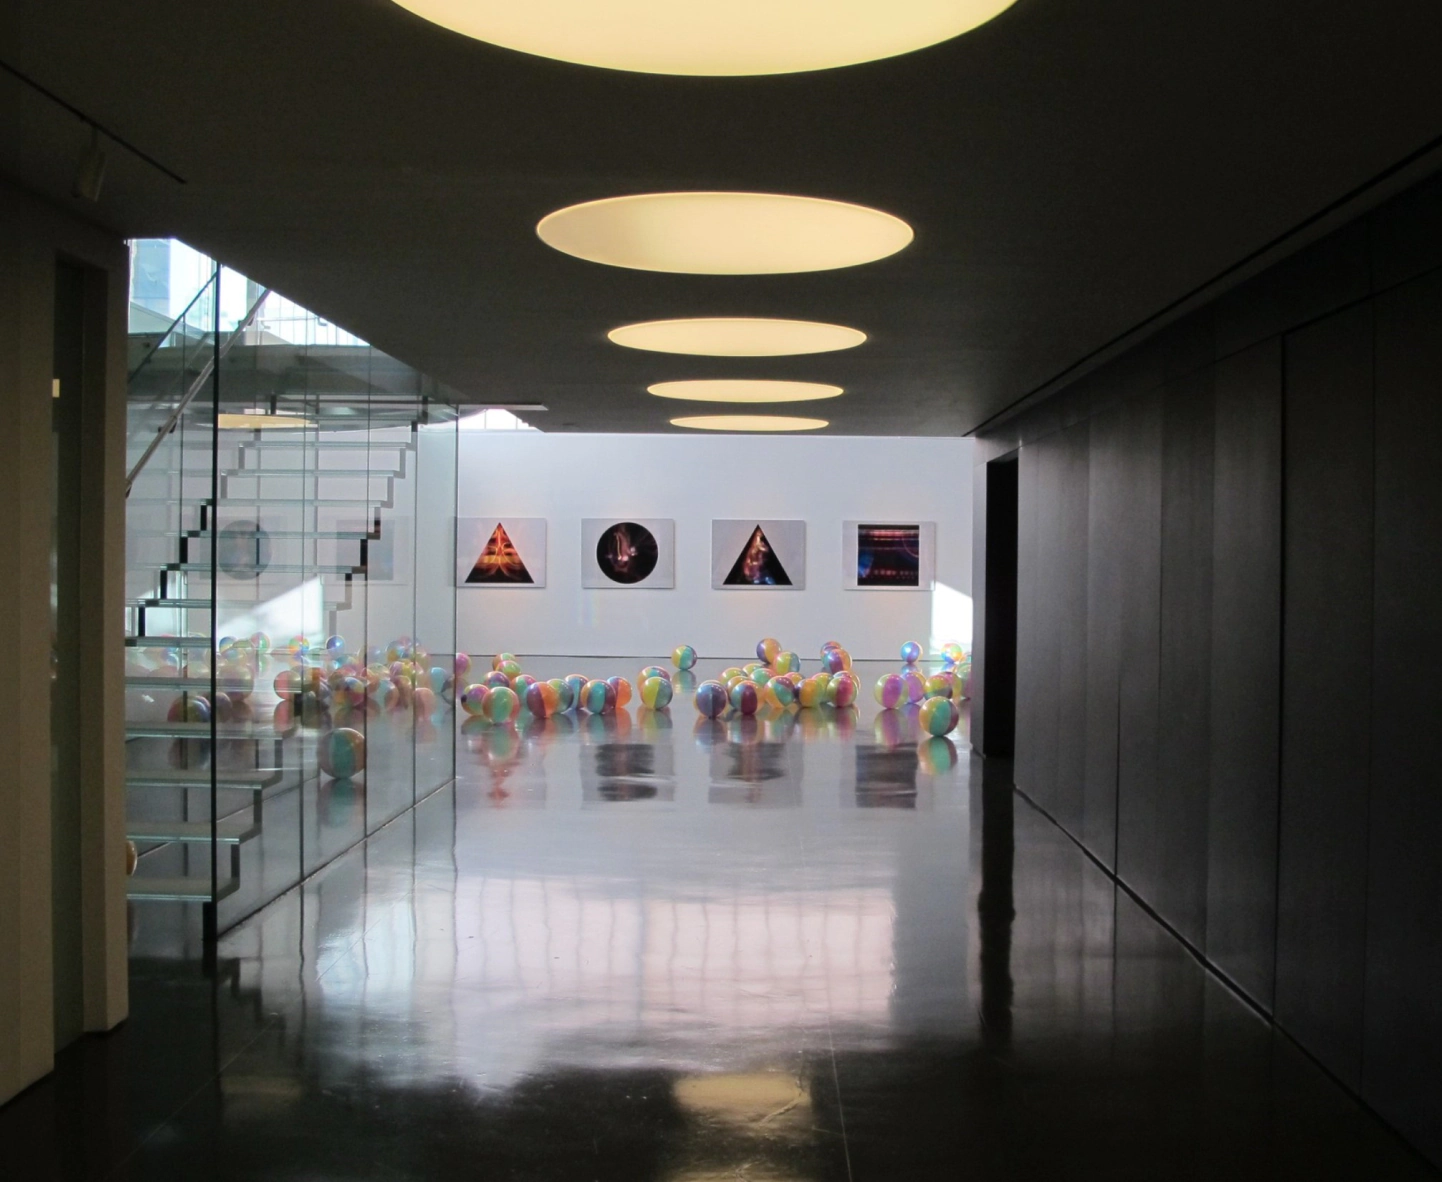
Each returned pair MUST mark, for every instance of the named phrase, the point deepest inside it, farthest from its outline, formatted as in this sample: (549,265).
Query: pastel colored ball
(623,690)
(829,645)
(745,697)
(501,658)
(952,653)
(341,753)
(522,684)
(473,700)
(511,668)
(915,685)
(425,700)
(565,694)
(351,692)
(189,708)
(767,649)
(575,682)
(843,690)
(684,657)
(335,645)
(890,691)
(938,716)
(760,675)
(502,704)
(732,671)
(440,680)
(940,685)
(812,693)
(260,642)
(711,699)
(936,756)
(780,691)
(656,693)
(652,671)
(597,697)
(835,660)
(542,700)
(787,662)
(911,652)
(462,665)
(497,680)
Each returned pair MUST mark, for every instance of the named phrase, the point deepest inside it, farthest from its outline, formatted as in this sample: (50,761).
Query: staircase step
(356,473)
(158,601)
(177,890)
(230,831)
(329,535)
(194,685)
(274,568)
(366,445)
(246,780)
(167,642)
(201,730)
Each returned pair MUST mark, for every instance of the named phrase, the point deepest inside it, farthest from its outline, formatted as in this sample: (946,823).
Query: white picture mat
(527,534)
(850,547)
(730,535)
(663,529)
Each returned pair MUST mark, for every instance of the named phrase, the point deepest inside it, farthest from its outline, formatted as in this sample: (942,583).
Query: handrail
(160,340)
(195,387)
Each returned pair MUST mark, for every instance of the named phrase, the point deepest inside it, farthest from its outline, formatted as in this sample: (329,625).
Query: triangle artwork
(757,565)
(500,561)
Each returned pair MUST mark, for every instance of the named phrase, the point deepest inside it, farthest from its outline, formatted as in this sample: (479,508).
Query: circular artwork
(243,550)
(626,552)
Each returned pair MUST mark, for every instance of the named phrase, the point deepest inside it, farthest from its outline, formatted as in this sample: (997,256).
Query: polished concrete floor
(653,947)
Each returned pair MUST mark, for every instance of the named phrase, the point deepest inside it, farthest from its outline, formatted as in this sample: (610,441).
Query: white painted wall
(821,480)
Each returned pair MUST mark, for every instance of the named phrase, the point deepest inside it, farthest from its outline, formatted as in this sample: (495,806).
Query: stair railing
(194,388)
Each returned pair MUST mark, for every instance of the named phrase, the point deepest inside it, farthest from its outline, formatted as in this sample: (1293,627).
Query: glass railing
(291,609)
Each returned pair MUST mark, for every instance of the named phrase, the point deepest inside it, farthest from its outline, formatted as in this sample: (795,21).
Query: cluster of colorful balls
(503,692)
(775,683)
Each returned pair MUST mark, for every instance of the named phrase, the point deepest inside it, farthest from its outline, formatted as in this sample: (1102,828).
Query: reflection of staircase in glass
(305,505)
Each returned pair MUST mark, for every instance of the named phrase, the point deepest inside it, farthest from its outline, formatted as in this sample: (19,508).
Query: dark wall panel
(1108,493)
(1028,656)
(1046,622)
(1071,633)
(1246,668)
(1402,1047)
(1326,688)
(1178,888)
(1139,534)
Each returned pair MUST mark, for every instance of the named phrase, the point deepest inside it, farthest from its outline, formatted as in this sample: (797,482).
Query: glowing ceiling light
(259,419)
(748,423)
(736,336)
(724,233)
(715,37)
(744,390)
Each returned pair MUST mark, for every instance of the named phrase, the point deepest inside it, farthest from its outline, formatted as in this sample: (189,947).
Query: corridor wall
(1230,550)
(33,237)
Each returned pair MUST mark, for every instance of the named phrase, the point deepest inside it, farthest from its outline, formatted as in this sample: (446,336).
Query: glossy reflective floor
(651,947)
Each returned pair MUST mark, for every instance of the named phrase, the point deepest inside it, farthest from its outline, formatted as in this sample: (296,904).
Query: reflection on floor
(653,947)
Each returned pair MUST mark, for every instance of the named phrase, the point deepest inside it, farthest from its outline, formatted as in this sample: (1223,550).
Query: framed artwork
(888,555)
(632,552)
(752,555)
(501,552)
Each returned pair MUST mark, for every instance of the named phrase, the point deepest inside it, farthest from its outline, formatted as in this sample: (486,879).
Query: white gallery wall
(822,480)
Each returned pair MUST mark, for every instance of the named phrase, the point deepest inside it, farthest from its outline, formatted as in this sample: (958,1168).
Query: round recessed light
(748,423)
(724,233)
(744,390)
(724,37)
(736,336)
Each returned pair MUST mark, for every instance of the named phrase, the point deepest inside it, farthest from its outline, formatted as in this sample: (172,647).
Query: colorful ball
(652,671)
(565,694)
(952,653)
(683,656)
(911,652)
(501,658)
(260,642)
(497,680)
(711,699)
(335,645)
(745,697)
(767,649)
(341,753)
(656,693)
(542,700)
(780,691)
(623,690)
(522,683)
(760,675)
(842,690)
(473,700)
(936,756)
(835,660)
(440,680)
(597,697)
(829,645)
(938,716)
(915,685)
(731,672)
(462,665)
(788,662)
(891,691)
(502,704)
(575,682)
(425,701)
(351,692)
(812,693)
(189,708)
(511,668)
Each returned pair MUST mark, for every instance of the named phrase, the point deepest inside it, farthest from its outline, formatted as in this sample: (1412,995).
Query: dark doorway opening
(999,675)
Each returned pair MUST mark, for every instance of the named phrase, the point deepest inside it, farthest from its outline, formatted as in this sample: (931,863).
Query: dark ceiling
(1069,169)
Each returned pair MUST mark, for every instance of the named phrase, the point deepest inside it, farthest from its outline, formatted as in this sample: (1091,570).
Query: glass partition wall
(291,602)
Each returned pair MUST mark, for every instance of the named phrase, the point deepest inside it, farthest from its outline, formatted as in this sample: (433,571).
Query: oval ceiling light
(724,233)
(744,390)
(711,37)
(257,418)
(736,336)
(748,423)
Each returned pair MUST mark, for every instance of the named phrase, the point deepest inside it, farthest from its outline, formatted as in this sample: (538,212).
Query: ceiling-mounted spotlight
(737,336)
(711,37)
(748,423)
(90,172)
(744,390)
